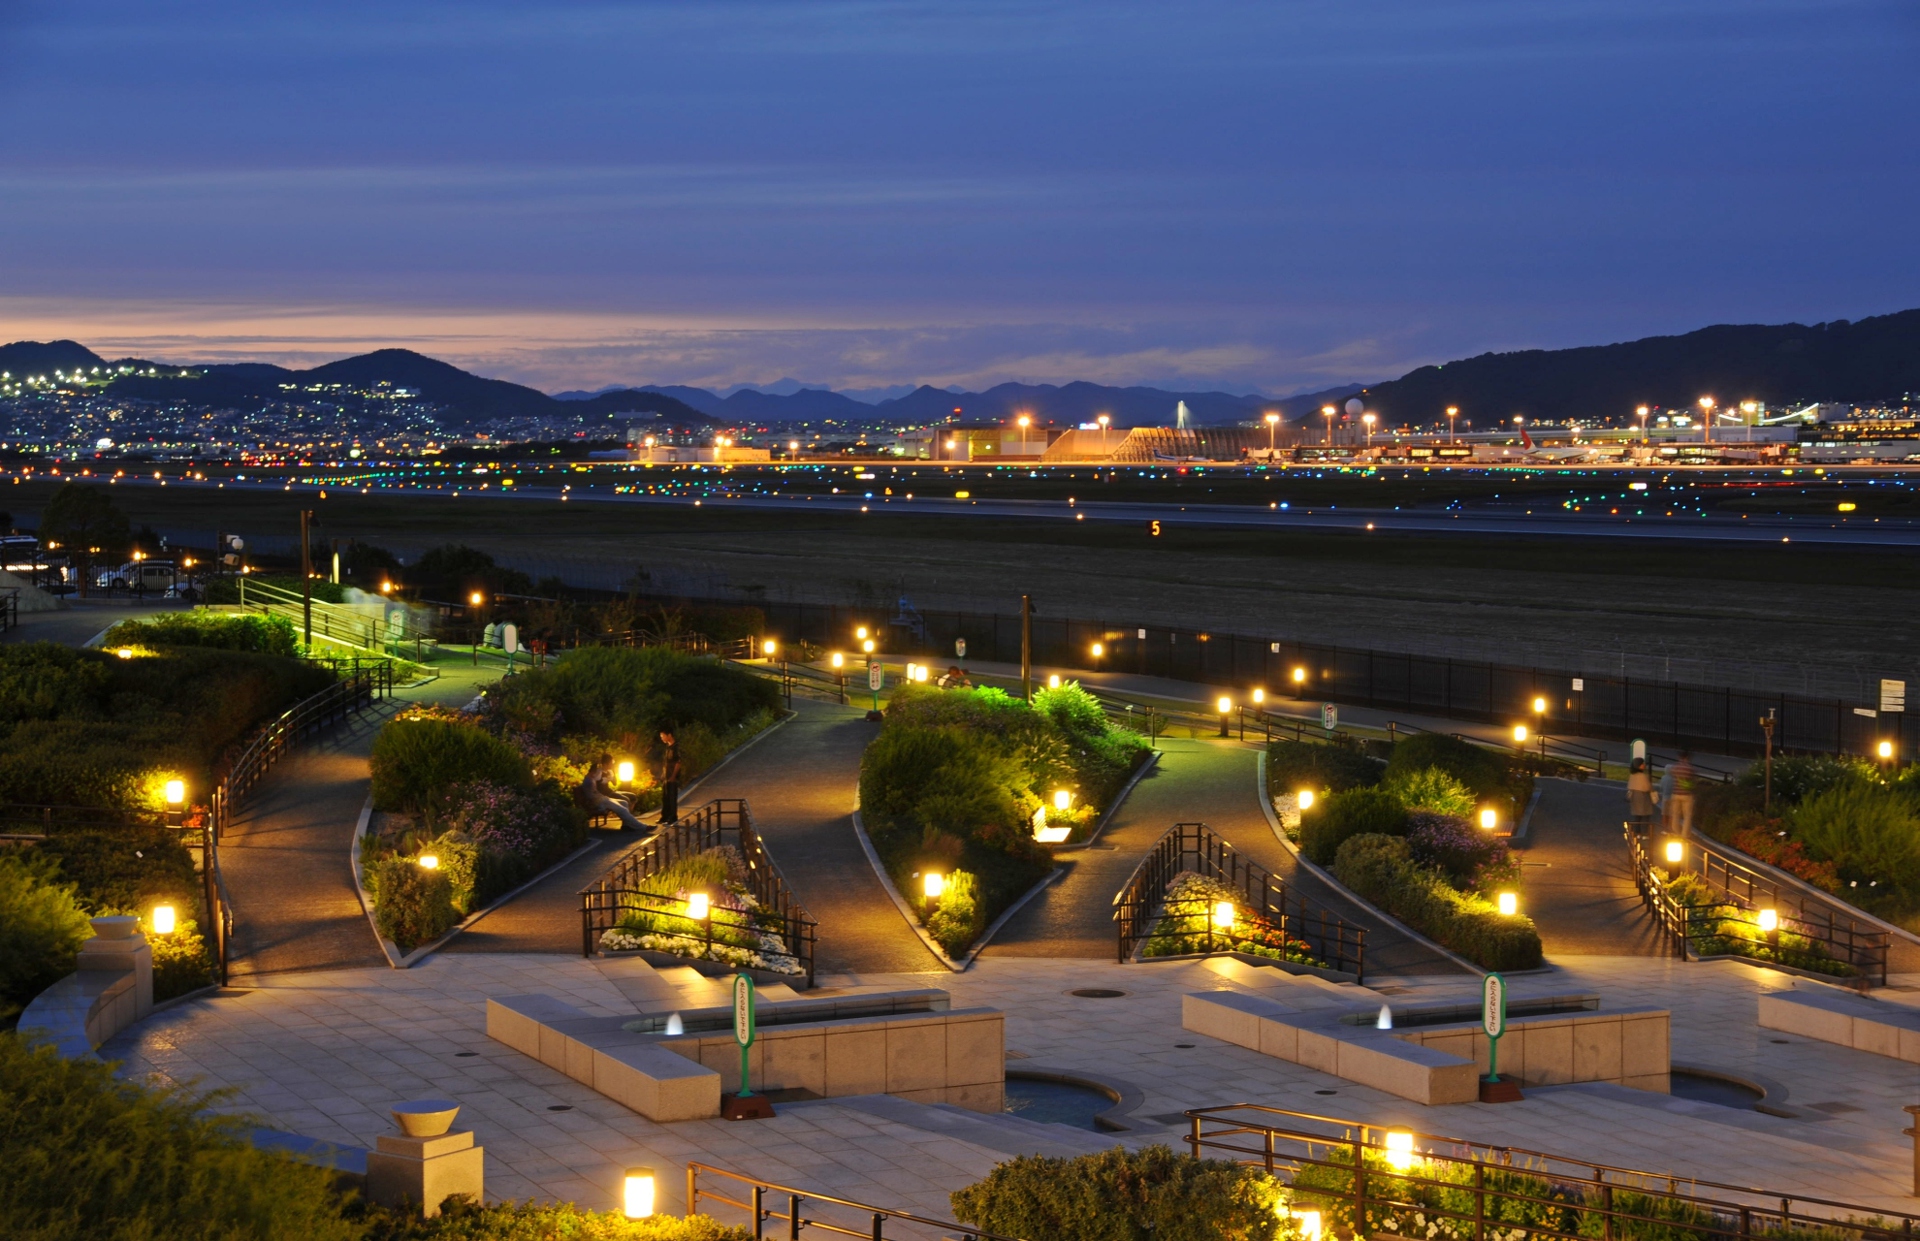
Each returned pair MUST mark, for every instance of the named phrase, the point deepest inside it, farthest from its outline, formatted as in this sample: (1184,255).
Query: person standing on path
(1639,794)
(669,780)
(1680,804)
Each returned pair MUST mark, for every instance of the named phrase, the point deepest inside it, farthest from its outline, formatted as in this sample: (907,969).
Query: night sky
(1262,196)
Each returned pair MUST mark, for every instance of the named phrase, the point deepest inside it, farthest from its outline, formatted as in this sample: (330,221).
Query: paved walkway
(76,624)
(1576,882)
(1207,782)
(285,855)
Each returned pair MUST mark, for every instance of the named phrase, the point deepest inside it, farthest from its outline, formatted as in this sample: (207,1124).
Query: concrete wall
(1831,1016)
(110,989)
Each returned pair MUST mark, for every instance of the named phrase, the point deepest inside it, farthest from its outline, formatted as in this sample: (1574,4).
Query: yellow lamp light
(1400,1150)
(474,598)
(933,883)
(921,674)
(1308,1223)
(1098,650)
(1886,749)
(1304,799)
(1489,818)
(624,772)
(867,646)
(1509,904)
(698,906)
(1769,920)
(429,861)
(1225,705)
(1223,915)
(837,660)
(1676,852)
(911,669)
(1519,734)
(1539,706)
(1053,680)
(1299,676)
(1062,800)
(125,652)
(386,588)
(768,647)
(163,920)
(175,791)
(1259,696)
(638,1193)
(861,633)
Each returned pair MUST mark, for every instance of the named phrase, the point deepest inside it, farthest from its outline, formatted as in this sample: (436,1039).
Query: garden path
(1207,782)
(1576,884)
(285,855)
(801,781)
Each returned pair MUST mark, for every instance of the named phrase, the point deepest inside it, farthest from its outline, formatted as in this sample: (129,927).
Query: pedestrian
(1680,807)
(1639,794)
(669,779)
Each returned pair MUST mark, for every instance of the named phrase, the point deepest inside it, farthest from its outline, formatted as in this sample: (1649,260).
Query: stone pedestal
(424,1171)
(118,947)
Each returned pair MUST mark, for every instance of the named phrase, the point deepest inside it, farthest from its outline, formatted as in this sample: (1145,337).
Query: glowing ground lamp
(1259,697)
(428,861)
(1886,749)
(1062,800)
(1769,920)
(1308,1224)
(699,906)
(623,774)
(1098,650)
(1509,904)
(1053,680)
(1519,734)
(861,633)
(1399,1150)
(1489,818)
(1304,799)
(1223,915)
(1676,852)
(175,792)
(867,645)
(933,885)
(837,660)
(1299,676)
(162,922)
(476,598)
(768,647)
(637,1193)
(125,652)
(1225,705)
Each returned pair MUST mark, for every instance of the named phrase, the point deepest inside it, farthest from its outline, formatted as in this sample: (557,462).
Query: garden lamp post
(1226,713)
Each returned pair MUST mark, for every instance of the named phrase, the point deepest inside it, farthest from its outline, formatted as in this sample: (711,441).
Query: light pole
(1706,420)
(1273,420)
(1025,422)
(1643,411)
(1327,412)
(1368,420)
(1103,420)
(1453,411)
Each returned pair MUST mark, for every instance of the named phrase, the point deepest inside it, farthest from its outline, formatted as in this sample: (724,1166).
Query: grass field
(1796,618)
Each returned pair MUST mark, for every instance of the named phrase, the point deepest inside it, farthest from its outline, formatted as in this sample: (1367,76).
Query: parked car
(152,576)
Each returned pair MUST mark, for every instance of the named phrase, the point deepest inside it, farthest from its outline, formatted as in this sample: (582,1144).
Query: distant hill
(32,357)
(1863,361)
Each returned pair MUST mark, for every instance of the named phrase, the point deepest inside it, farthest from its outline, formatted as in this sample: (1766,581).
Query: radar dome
(1355,405)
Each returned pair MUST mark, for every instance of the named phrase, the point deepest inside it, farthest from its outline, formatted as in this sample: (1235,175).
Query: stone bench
(110,989)
(922,1053)
(1831,1016)
(1442,1063)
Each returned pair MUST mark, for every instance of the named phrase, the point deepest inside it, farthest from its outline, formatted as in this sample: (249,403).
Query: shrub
(126,869)
(1293,765)
(1382,869)
(1870,834)
(1433,790)
(269,635)
(1123,1195)
(411,904)
(553,1221)
(1331,821)
(1185,925)
(1481,770)
(41,929)
(1472,860)
(1797,777)
(90,1156)
(956,920)
(417,759)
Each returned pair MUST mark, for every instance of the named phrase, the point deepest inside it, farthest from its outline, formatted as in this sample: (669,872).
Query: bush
(91,1156)
(553,1221)
(955,920)
(1123,1195)
(506,835)
(1332,821)
(1487,774)
(41,929)
(1870,834)
(269,635)
(411,904)
(624,696)
(417,759)
(126,869)
(1294,765)
(1797,777)
(1432,790)
(1472,860)
(1382,870)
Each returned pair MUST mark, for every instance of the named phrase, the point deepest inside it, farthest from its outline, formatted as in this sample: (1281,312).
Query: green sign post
(746,1105)
(1493,1019)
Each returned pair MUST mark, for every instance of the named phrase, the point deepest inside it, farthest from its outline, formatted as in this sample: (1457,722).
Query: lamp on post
(1273,420)
(1368,420)
(1226,714)
(1706,420)
(1328,412)
(1103,420)
(1453,412)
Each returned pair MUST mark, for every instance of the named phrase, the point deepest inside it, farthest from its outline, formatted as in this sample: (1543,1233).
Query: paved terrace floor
(324,1053)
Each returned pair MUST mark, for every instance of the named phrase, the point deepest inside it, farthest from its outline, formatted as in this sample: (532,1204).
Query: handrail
(606,900)
(1347,1168)
(1141,902)
(873,1228)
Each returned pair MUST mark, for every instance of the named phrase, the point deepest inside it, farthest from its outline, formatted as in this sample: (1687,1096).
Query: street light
(1706,420)
(1103,420)
(1886,749)
(768,647)
(1399,1150)
(868,646)
(1519,734)
(428,861)
(1226,709)
(1453,411)
(163,920)
(1368,420)
(1327,412)
(1223,915)
(637,1193)
(698,906)
(1643,411)
(1300,676)
(1259,696)
(1024,422)
(837,660)
(1539,706)
(1304,799)
(933,884)
(1273,420)
(623,774)
(475,599)
(175,792)
(1676,852)
(1489,818)
(1769,920)
(1099,650)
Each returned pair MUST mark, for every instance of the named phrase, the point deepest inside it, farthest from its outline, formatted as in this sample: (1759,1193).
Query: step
(996,1131)
(640,984)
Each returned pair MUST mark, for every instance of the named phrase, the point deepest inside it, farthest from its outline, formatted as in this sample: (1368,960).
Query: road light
(637,1193)
(1539,706)
(868,646)
(1368,420)
(1706,420)
(1273,420)
(1328,412)
(475,599)
(1453,411)
(1062,800)
(768,647)
(1225,704)
(861,633)
(1103,420)
(837,660)
(1024,422)
(1300,676)
(1643,411)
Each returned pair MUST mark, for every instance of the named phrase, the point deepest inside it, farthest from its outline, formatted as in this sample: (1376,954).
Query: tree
(84,523)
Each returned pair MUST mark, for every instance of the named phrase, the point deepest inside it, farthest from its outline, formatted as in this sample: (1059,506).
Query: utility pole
(306,572)
(1766,797)
(1026,647)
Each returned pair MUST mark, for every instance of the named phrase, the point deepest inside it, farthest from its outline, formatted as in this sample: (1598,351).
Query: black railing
(1362,1180)
(352,693)
(724,822)
(1808,932)
(856,1219)
(9,609)
(1717,719)
(1271,909)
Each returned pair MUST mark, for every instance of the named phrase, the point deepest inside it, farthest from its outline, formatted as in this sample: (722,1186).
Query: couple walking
(1674,796)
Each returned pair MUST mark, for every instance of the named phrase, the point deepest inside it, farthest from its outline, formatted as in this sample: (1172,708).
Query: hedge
(1123,1195)
(1332,821)
(563,1221)
(269,635)
(1324,768)
(411,904)
(1382,870)
(1487,773)
(41,929)
(418,758)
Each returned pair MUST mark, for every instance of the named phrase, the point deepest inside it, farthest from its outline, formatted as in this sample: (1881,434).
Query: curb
(1119,799)
(900,902)
(1525,825)
(1006,915)
(1279,834)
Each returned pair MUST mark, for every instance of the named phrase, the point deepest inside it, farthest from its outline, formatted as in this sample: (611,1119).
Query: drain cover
(1326,1092)
(466,1053)
(559,1107)
(1097,993)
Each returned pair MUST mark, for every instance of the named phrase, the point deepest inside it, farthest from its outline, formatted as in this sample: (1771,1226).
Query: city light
(638,1193)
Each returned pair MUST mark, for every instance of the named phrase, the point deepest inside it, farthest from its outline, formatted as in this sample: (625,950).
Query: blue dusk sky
(1271,196)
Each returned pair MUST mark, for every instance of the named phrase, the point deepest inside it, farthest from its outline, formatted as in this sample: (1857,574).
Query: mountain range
(1862,361)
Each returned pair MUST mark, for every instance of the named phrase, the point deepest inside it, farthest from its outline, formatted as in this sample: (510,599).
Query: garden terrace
(624,895)
(1266,921)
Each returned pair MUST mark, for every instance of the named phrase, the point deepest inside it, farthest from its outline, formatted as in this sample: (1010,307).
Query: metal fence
(721,822)
(854,1219)
(1355,1179)
(1593,704)
(1141,903)
(1808,932)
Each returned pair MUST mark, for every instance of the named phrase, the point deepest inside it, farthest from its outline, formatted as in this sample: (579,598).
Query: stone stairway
(672,988)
